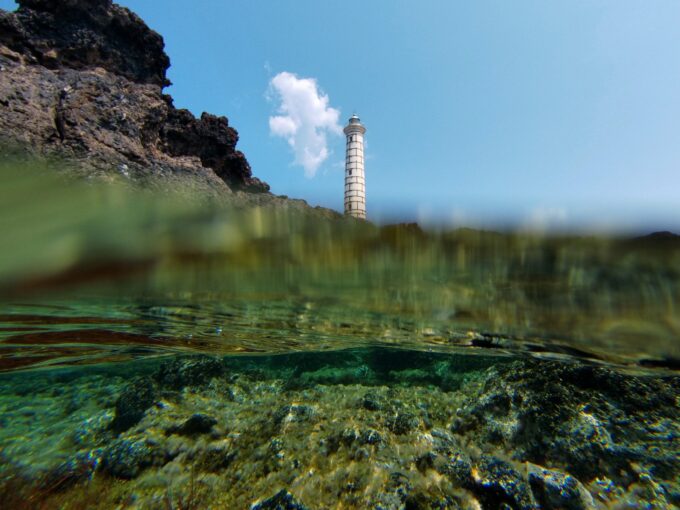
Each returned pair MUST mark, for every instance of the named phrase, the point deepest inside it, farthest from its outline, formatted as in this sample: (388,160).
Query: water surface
(326,332)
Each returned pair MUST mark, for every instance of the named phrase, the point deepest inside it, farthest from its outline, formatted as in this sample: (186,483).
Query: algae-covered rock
(422,501)
(126,459)
(372,401)
(282,500)
(324,444)
(196,424)
(555,489)
(192,371)
(94,429)
(494,481)
(458,467)
(497,482)
(591,421)
(371,437)
(396,491)
(293,414)
(216,458)
(133,402)
(402,423)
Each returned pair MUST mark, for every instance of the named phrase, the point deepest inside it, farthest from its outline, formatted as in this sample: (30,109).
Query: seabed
(364,428)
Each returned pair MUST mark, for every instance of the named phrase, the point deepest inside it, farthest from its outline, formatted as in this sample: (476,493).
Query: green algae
(260,425)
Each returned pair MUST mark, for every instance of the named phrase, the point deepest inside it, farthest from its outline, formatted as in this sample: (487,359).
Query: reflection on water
(104,273)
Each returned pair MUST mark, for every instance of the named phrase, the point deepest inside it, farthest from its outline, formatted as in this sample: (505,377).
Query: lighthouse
(355,180)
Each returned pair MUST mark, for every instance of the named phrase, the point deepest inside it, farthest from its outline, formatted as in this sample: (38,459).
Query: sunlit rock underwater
(168,351)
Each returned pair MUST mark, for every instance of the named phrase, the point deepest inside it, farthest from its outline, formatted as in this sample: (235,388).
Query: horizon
(557,117)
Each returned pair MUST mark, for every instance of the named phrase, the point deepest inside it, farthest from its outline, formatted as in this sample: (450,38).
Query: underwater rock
(397,490)
(426,461)
(370,436)
(193,371)
(402,423)
(345,437)
(497,482)
(353,439)
(276,446)
(372,402)
(458,467)
(293,413)
(325,446)
(196,424)
(493,481)
(555,489)
(591,421)
(443,442)
(421,501)
(216,458)
(126,459)
(133,402)
(94,429)
(282,500)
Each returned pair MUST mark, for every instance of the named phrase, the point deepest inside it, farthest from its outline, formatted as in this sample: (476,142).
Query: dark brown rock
(85,34)
(213,141)
(82,80)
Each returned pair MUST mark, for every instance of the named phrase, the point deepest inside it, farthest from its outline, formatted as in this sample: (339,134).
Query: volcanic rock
(132,403)
(555,489)
(82,80)
(585,419)
(282,500)
(194,425)
(190,371)
(126,459)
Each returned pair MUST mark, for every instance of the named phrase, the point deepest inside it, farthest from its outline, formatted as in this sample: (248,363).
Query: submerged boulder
(497,482)
(555,489)
(282,500)
(195,425)
(177,373)
(589,420)
(494,481)
(216,458)
(125,458)
(133,402)
(294,413)
(402,423)
(372,401)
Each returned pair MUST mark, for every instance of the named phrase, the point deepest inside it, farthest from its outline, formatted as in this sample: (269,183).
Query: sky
(561,114)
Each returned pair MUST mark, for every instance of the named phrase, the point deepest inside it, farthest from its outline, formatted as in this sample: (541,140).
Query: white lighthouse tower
(355,181)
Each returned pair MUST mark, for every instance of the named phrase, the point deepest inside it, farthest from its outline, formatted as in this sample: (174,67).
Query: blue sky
(482,113)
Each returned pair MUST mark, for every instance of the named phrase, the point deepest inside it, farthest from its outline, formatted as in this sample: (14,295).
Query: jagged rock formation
(83,34)
(82,80)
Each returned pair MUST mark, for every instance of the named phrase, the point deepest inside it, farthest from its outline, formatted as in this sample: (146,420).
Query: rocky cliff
(82,80)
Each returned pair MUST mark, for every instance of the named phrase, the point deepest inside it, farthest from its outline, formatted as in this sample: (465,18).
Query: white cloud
(305,119)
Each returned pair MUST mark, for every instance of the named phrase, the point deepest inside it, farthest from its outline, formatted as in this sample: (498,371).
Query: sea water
(166,351)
